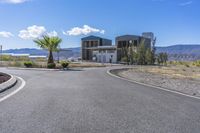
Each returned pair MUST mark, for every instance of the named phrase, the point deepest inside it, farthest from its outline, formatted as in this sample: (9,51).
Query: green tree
(162,58)
(49,43)
(125,51)
(154,50)
(141,54)
(165,58)
(149,57)
(135,57)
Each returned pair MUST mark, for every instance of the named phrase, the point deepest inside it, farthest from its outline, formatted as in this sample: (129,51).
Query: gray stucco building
(101,50)
(98,49)
(130,40)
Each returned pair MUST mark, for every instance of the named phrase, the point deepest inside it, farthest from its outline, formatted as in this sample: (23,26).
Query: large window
(135,43)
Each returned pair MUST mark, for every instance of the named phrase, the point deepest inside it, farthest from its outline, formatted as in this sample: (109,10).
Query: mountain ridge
(185,52)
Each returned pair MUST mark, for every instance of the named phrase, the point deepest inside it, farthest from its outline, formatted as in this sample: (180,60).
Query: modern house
(126,41)
(99,49)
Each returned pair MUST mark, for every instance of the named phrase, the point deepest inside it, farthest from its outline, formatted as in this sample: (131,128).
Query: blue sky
(172,21)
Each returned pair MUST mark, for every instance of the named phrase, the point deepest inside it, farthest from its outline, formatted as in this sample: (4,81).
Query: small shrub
(28,64)
(65,64)
(196,63)
(17,64)
(51,65)
(187,65)
(124,59)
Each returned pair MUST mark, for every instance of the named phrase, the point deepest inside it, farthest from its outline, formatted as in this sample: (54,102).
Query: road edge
(148,85)
(15,91)
(8,84)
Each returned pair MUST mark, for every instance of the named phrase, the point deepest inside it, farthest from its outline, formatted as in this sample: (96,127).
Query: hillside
(181,52)
(175,52)
(71,52)
(27,51)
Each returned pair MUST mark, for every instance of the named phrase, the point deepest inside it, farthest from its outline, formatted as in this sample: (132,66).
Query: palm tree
(49,43)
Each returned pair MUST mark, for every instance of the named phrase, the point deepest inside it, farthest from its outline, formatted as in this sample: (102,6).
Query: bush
(16,64)
(196,63)
(187,65)
(124,59)
(28,64)
(65,64)
(51,65)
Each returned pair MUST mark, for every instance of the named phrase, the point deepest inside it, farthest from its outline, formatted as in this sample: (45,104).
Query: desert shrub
(187,65)
(65,64)
(162,58)
(28,64)
(196,63)
(51,65)
(17,64)
(124,59)
(6,57)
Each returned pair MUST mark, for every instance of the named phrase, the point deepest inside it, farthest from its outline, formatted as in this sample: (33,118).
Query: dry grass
(44,64)
(173,71)
(86,65)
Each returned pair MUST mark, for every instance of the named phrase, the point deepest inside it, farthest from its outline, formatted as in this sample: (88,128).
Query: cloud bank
(13,1)
(186,3)
(85,30)
(6,34)
(52,34)
(32,32)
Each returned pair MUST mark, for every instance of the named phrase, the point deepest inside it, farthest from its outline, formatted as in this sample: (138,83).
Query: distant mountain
(31,51)
(67,53)
(181,52)
(180,49)
(176,52)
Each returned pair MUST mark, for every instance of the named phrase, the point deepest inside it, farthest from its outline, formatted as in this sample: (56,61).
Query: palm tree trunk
(50,58)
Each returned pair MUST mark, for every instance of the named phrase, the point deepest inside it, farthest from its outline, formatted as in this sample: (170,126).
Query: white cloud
(85,30)
(6,34)
(32,32)
(52,34)
(13,1)
(186,3)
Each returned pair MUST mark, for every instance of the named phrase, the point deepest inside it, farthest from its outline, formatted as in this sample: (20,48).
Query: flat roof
(129,37)
(103,47)
(93,38)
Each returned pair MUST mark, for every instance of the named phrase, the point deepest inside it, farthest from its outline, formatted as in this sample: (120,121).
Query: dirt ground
(3,78)
(179,78)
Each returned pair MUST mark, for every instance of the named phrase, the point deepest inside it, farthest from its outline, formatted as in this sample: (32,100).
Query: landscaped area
(4,78)
(182,78)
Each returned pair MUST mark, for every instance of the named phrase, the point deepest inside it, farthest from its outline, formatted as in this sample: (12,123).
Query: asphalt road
(91,101)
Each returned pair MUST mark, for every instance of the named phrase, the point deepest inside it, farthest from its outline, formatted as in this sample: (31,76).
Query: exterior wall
(90,42)
(104,56)
(129,40)
(106,42)
(92,47)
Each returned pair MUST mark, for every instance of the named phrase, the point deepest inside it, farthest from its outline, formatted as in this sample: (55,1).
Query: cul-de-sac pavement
(91,101)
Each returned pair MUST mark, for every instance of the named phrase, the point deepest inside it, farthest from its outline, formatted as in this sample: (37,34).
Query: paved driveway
(90,101)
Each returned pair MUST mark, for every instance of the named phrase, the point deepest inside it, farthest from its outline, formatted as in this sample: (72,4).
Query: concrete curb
(109,72)
(44,69)
(8,84)
(34,69)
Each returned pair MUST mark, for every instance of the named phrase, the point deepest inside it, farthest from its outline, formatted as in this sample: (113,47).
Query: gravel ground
(4,78)
(184,85)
